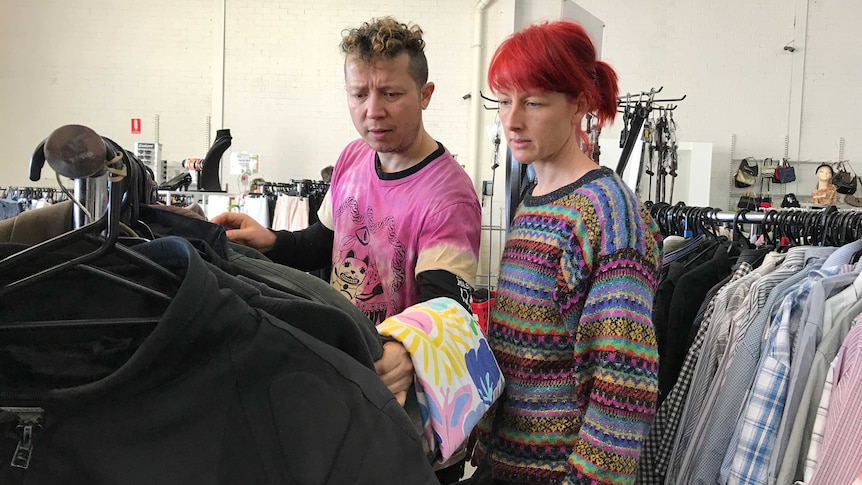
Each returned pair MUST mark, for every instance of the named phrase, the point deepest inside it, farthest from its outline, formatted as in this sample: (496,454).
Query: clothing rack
(296,187)
(14,192)
(658,134)
(826,226)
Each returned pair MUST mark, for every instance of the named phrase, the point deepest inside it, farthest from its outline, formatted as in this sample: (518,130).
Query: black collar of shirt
(410,171)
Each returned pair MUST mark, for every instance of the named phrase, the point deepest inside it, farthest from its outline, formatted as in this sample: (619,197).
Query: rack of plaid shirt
(760,381)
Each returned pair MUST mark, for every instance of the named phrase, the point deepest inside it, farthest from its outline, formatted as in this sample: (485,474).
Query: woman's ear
(581,106)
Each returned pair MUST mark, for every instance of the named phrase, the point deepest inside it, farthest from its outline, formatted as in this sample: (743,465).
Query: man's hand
(395,369)
(242,229)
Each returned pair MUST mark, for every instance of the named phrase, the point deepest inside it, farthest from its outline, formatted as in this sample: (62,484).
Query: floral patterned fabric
(457,377)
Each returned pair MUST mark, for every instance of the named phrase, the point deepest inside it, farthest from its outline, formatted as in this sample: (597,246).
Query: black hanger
(824,223)
(768,227)
(843,233)
(711,216)
(105,244)
(738,235)
(856,226)
(832,232)
(854,233)
(795,227)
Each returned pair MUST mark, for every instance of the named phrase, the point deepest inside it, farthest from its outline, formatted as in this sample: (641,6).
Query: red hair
(558,57)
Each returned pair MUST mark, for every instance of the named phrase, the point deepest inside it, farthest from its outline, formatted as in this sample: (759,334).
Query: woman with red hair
(572,321)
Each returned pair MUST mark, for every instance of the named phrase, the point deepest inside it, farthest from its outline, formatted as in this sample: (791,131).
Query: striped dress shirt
(655,456)
(819,426)
(793,464)
(748,455)
(841,460)
(705,456)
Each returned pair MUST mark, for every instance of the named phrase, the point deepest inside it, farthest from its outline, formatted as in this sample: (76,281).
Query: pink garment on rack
(291,213)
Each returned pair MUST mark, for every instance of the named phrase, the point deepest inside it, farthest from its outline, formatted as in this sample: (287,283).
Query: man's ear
(425,94)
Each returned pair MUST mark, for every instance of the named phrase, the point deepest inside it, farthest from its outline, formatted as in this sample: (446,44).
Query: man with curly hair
(401,223)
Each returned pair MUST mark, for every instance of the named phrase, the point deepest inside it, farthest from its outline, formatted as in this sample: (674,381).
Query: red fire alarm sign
(136,126)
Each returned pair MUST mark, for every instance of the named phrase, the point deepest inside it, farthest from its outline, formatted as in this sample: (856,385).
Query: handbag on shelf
(748,201)
(764,200)
(746,173)
(852,200)
(843,180)
(768,167)
(789,200)
(784,173)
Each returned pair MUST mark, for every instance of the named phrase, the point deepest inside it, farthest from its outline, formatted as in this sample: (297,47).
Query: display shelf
(212,203)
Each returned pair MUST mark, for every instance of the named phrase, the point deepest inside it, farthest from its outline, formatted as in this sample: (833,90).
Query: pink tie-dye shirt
(389,229)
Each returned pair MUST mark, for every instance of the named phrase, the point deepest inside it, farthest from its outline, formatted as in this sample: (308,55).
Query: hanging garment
(660,314)
(687,297)
(32,227)
(256,207)
(218,392)
(291,213)
(819,428)
(728,301)
(714,432)
(249,263)
(747,457)
(841,460)
(652,466)
(9,209)
(792,466)
(807,337)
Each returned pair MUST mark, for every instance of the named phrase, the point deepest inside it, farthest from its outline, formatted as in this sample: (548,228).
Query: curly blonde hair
(385,38)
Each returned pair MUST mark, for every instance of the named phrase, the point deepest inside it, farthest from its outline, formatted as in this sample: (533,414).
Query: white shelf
(213,203)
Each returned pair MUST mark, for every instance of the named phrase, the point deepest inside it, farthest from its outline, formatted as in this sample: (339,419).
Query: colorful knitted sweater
(572,332)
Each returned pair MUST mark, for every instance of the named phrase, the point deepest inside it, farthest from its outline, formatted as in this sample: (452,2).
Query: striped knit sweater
(572,331)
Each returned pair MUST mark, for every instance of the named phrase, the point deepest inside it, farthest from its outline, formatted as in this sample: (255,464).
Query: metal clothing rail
(824,226)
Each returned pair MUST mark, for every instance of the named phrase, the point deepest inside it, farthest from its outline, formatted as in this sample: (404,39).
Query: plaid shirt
(748,458)
(702,463)
(762,414)
(657,447)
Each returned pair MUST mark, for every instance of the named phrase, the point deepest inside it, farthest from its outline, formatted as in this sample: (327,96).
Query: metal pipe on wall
(475,98)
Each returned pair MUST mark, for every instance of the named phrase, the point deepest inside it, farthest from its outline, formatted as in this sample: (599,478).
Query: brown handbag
(843,180)
(746,173)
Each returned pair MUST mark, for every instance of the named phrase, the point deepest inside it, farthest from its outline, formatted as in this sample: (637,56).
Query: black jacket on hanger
(237,260)
(218,392)
(690,292)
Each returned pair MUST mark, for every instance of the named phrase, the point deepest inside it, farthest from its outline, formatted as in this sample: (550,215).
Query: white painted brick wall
(101,63)
(285,80)
(832,107)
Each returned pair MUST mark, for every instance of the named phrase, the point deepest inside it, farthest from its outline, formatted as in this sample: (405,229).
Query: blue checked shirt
(652,467)
(748,454)
(703,462)
(763,412)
